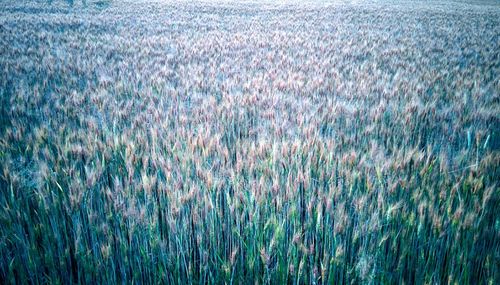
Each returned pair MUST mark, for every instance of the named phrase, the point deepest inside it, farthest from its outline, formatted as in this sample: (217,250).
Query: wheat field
(153,142)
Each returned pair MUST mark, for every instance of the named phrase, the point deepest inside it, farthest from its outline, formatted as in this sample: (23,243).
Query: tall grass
(162,144)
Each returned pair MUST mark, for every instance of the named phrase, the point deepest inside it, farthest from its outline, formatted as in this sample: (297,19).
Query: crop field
(152,142)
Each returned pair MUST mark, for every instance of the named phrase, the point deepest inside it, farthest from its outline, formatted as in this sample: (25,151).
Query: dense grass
(249,143)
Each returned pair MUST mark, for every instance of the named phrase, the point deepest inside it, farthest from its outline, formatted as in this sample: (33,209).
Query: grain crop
(249,142)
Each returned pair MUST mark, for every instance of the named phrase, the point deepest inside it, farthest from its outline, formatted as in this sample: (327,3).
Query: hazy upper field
(242,142)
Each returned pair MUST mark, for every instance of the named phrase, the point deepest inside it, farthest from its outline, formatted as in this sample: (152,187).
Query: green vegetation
(238,143)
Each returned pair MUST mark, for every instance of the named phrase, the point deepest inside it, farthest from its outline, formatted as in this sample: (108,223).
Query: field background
(250,142)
